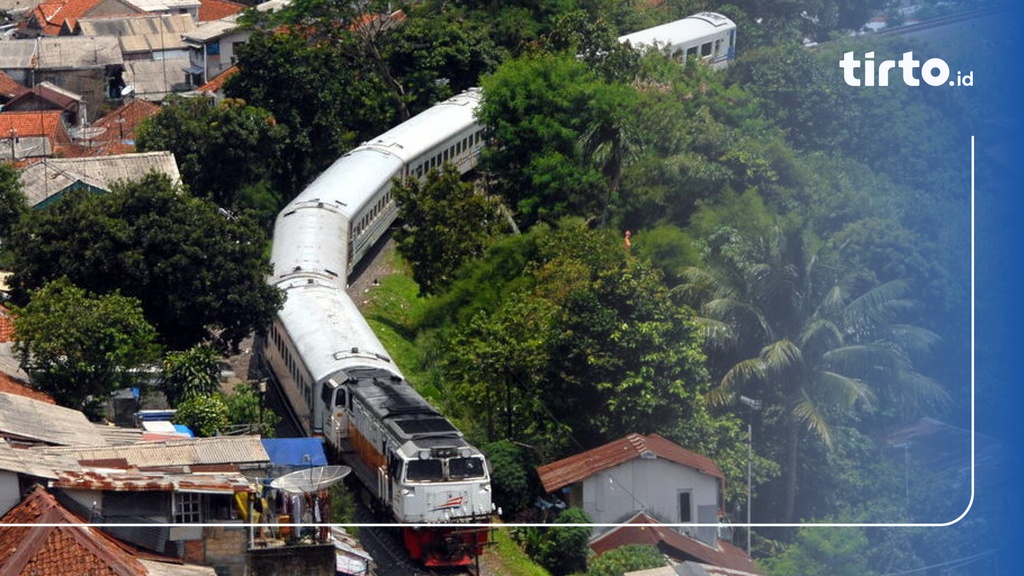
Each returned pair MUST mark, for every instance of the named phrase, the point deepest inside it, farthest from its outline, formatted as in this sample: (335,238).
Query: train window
(691,52)
(705,49)
(424,471)
(718,45)
(461,468)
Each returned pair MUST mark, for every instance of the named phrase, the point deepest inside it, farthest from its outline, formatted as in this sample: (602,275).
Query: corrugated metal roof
(42,180)
(34,421)
(154,79)
(17,54)
(575,468)
(147,27)
(34,463)
(77,52)
(212,29)
(240,450)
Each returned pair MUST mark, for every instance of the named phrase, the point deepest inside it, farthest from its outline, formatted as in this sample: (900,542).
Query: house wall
(652,486)
(10,494)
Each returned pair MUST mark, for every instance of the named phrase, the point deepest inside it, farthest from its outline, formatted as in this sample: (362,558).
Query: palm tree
(800,338)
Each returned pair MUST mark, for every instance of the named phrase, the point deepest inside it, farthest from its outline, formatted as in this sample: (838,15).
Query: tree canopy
(74,344)
(199,273)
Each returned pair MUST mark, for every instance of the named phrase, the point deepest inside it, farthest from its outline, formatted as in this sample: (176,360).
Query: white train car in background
(709,36)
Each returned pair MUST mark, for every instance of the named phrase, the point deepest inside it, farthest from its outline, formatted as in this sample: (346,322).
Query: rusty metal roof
(576,468)
(238,450)
(647,530)
(132,481)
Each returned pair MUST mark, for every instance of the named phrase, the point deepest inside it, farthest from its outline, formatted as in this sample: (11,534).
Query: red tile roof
(676,545)
(62,546)
(217,9)
(49,17)
(576,468)
(217,82)
(120,126)
(9,88)
(42,123)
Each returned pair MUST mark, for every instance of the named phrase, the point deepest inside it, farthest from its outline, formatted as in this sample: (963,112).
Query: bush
(564,550)
(204,415)
(626,559)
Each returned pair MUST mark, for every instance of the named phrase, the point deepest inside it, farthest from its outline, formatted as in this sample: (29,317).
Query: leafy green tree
(822,551)
(626,559)
(246,407)
(309,85)
(192,372)
(541,108)
(806,343)
(444,222)
(510,476)
(223,149)
(564,550)
(74,344)
(199,274)
(204,415)
(13,203)
(585,345)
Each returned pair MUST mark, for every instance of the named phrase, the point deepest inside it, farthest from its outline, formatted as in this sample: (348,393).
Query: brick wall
(314,560)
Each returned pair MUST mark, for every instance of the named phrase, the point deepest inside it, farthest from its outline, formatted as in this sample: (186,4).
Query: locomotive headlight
(408,492)
(485,487)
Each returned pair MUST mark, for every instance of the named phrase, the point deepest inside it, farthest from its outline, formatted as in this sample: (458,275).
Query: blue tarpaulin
(295,451)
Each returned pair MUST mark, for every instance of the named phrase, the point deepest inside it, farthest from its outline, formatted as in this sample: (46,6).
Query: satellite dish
(127,90)
(310,479)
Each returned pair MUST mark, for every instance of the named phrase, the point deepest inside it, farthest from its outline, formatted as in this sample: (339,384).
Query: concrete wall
(225,550)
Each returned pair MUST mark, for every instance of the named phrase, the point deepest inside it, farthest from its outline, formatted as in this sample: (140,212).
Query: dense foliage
(198,273)
(790,240)
(74,344)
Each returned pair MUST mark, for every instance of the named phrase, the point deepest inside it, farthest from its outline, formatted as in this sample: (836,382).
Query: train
(709,36)
(335,377)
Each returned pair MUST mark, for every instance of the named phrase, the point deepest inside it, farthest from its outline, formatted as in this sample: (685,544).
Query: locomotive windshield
(435,469)
(424,471)
(462,468)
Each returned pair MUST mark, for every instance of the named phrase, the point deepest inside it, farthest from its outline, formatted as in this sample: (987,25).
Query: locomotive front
(446,485)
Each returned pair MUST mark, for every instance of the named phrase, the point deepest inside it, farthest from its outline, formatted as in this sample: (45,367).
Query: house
(26,135)
(60,17)
(218,9)
(89,66)
(641,474)
(115,132)
(47,538)
(716,559)
(212,44)
(45,182)
(48,96)
(143,36)
(190,7)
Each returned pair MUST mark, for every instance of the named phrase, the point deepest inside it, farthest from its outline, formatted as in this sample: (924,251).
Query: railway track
(389,555)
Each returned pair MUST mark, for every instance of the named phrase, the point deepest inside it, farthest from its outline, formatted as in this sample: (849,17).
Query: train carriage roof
(328,331)
(429,128)
(351,181)
(697,26)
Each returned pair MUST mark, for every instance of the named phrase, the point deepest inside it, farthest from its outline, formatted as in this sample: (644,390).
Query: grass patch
(506,557)
(392,309)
